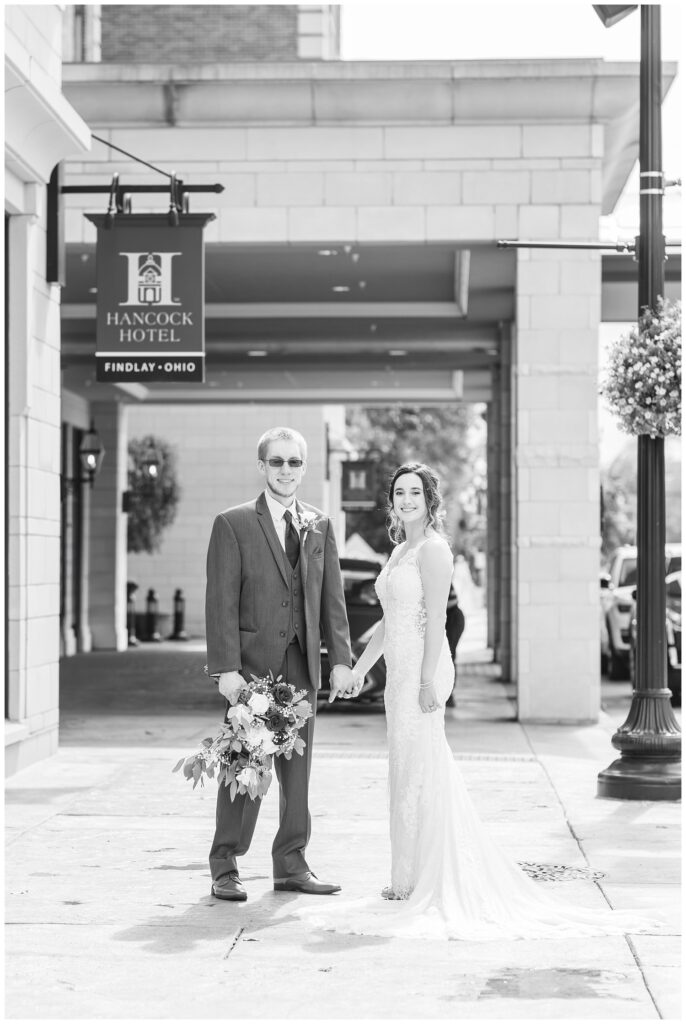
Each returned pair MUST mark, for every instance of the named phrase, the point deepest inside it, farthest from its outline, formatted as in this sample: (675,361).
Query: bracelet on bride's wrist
(423,686)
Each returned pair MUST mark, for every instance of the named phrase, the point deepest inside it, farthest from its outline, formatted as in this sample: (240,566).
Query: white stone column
(334,420)
(557,529)
(493,538)
(33,494)
(107,598)
(68,644)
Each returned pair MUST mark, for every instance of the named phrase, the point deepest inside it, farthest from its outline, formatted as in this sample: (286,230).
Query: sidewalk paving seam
(560,801)
(595,882)
(648,989)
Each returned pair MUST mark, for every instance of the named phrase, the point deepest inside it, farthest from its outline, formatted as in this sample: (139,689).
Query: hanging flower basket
(642,383)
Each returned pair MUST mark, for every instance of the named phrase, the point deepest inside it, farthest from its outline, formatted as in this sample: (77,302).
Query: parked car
(617,606)
(672,636)
(364,614)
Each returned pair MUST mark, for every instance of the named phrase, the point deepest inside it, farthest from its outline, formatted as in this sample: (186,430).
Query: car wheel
(616,665)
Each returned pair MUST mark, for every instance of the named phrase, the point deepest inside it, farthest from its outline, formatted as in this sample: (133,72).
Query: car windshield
(627,574)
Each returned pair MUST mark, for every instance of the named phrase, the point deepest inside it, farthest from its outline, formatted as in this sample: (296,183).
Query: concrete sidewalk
(108,907)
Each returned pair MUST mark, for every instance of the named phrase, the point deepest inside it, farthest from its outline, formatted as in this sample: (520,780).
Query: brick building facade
(185,34)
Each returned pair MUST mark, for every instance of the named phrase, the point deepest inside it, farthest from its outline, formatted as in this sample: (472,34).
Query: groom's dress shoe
(307,883)
(229,888)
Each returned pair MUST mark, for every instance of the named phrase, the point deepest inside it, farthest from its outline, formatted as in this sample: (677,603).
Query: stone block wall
(40,129)
(557,511)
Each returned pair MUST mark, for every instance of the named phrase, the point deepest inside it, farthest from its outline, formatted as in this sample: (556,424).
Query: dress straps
(406,555)
(416,549)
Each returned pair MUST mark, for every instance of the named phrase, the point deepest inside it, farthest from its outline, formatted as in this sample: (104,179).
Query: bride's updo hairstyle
(435,513)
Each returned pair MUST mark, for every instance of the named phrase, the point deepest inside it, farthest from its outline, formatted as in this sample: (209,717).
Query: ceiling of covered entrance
(325,323)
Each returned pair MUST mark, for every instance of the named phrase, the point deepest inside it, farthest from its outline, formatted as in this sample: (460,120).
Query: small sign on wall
(151,298)
(358,485)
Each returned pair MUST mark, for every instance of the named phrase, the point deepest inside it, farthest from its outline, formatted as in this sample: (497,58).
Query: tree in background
(449,438)
(618,482)
(154,495)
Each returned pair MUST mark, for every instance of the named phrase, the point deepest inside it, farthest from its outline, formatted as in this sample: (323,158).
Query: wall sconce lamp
(91,454)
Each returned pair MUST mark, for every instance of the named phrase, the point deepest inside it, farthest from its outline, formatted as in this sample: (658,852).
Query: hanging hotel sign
(358,485)
(151,288)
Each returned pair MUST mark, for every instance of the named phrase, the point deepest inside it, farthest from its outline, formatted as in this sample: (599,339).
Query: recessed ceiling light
(257,352)
(397,352)
(93,291)
(340,288)
(327,252)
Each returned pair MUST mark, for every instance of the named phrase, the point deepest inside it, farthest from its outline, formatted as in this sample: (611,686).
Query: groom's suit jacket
(249,593)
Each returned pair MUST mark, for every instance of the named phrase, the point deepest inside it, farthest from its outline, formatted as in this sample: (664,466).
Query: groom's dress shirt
(277,510)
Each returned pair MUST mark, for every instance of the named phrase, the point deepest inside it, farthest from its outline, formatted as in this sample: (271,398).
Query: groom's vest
(296,604)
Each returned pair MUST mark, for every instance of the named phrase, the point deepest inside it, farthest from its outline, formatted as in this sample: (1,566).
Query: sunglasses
(278,463)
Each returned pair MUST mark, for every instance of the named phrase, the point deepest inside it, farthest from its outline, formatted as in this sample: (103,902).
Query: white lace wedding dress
(452,880)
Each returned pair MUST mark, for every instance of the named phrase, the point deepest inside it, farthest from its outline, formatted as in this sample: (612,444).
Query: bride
(448,878)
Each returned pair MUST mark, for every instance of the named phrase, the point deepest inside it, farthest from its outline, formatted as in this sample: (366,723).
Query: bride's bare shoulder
(436,550)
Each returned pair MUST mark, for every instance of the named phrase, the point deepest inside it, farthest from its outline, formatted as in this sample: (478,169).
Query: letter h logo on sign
(149,279)
(358,484)
(150,322)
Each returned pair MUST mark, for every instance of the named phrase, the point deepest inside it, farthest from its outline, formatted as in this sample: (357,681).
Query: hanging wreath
(642,383)
(154,496)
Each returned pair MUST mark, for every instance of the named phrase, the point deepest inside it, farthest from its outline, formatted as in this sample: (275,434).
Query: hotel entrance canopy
(334,272)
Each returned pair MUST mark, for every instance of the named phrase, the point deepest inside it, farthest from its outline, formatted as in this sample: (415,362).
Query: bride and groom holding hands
(274,588)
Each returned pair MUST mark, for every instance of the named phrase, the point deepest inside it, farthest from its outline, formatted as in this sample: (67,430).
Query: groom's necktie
(292,540)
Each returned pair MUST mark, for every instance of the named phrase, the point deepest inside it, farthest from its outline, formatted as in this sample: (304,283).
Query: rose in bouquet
(263,720)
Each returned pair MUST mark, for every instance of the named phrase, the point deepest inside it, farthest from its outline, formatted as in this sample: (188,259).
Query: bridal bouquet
(263,721)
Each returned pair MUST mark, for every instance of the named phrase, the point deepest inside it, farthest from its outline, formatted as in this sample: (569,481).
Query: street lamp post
(649,741)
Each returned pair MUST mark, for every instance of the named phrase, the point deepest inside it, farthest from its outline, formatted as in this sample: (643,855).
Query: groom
(272,590)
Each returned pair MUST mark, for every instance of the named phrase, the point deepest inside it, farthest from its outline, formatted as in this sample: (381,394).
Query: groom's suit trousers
(236,819)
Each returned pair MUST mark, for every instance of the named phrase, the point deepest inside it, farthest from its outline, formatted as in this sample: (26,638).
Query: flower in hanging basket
(642,383)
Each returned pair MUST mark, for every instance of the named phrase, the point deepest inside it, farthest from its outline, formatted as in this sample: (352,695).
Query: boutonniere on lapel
(307,522)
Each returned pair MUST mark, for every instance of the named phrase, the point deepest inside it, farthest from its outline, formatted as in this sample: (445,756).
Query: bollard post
(131,589)
(179,616)
(152,610)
